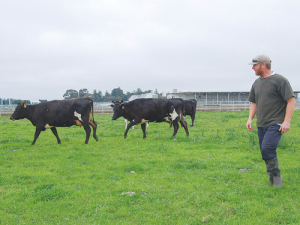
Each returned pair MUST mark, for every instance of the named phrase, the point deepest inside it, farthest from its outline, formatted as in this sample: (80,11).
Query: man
(272,101)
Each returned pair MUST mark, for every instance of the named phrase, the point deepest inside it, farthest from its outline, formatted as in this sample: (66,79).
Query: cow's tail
(92,110)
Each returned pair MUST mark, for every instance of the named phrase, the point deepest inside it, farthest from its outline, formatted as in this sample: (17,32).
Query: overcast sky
(50,46)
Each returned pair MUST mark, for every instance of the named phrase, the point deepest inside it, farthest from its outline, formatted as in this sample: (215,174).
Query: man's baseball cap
(261,59)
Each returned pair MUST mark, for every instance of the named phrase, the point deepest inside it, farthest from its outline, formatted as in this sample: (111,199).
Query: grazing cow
(190,107)
(140,111)
(58,113)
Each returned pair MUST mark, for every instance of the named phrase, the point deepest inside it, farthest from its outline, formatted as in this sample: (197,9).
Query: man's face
(257,69)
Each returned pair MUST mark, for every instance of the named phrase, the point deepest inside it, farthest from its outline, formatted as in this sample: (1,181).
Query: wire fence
(100,108)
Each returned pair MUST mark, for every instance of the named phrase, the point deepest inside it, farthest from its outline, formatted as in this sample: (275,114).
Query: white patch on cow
(174,115)
(78,116)
(167,119)
(47,126)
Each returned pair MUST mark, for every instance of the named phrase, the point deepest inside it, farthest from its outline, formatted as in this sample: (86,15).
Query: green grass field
(157,180)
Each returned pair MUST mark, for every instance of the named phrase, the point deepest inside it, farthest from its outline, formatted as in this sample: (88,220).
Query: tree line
(12,101)
(117,94)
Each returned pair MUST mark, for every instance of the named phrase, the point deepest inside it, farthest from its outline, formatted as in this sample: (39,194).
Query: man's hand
(285,126)
(249,125)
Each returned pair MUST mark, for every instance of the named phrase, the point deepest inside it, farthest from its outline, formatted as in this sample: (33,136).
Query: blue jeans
(269,138)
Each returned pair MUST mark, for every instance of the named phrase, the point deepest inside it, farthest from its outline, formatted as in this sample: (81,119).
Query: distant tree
(107,94)
(127,96)
(5,101)
(83,93)
(15,101)
(42,100)
(71,93)
(100,95)
(96,96)
(139,91)
(107,97)
(117,92)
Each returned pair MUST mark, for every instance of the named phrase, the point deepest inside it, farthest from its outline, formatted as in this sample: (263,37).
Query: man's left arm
(285,126)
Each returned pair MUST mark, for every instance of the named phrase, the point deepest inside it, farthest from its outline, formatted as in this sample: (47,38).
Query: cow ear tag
(24,105)
(123,107)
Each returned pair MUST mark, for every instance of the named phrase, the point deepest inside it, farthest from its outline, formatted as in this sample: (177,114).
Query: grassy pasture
(157,180)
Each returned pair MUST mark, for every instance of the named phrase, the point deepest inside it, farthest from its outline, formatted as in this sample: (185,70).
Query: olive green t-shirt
(270,95)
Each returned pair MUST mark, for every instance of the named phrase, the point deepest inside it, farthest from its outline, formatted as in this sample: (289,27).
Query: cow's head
(20,111)
(118,108)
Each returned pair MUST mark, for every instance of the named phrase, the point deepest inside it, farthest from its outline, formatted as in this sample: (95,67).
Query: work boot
(269,173)
(273,167)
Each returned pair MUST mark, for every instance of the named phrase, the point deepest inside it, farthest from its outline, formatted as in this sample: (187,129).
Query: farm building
(216,97)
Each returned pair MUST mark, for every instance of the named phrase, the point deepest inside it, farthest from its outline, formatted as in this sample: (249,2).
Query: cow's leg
(126,121)
(126,131)
(36,135)
(132,123)
(94,125)
(176,127)
(94,132)
(143,125)
(193,118)
(184,124)
(87,129)
(54,131)
(184,120)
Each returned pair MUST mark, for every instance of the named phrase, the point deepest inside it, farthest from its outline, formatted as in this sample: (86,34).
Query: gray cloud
(48,47)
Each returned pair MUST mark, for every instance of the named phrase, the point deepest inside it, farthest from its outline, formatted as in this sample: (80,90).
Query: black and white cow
(190,107)
(140,111)
(58,113)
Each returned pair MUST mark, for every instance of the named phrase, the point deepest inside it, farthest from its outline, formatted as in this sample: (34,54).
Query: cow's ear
(24,104)
(112,105)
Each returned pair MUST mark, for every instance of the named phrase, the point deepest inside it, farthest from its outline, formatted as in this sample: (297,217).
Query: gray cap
(261,59)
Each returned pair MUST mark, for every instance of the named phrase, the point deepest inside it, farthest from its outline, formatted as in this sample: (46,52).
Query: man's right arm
(252,113)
